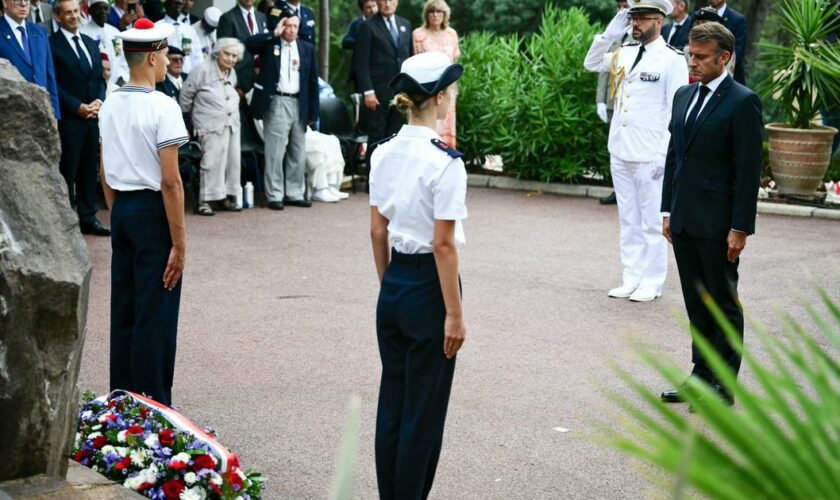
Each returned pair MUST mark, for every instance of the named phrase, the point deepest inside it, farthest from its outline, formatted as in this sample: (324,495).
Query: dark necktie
(24,42)
(82,57)
(692,117)
(395,36)
(250,24)
(638,57)
(38,18)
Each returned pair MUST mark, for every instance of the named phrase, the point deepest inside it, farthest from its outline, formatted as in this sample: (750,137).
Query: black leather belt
(286,94)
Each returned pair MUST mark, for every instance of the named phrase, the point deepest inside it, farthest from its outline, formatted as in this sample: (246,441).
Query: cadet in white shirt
(418,188)
(205,28)
(645,76)
(106,36)
(140,132)
(184,37)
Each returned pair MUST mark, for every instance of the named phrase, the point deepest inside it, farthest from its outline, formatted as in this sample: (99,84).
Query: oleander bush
(781,441)
(531,101)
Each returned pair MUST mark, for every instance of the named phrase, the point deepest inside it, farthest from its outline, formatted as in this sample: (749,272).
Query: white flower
(94,435)
(95,468)
(96,427)
(121,436)
(135,482)
(86,414)
(189,478)
(194,493)
(108,449)
(215,478)
(104,418)
(151,441)
(138,457)
(122,451)
(241,474)
(78,439)
(181,457)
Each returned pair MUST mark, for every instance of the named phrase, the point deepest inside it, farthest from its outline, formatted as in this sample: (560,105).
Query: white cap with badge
(146,36)
(663,7)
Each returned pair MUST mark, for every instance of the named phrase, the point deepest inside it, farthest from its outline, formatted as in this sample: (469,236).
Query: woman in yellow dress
(437,36)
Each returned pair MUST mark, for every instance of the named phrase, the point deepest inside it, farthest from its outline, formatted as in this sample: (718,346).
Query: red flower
(216,489)
(144,412)
(235,480)
(99,442)
(135,429)
(123,464)
(112,403)
(111,417)
(203,462)
(81,455)
(173,489)
(167,437)
(145,486)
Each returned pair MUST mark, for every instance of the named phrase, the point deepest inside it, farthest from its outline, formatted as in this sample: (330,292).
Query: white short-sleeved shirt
(134,124)
(414,182)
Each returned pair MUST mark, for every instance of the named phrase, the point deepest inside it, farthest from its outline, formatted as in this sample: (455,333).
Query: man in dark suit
(736,23)
(40,13)
(286,99)
(709,194)
(242,22)
(25,45)
(368,8)
(171,85)
(307,19)
(675,33)
(81,90)
(186,13)
(382,44)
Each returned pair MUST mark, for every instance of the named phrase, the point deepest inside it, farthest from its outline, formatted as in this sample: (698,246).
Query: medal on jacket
(277,51)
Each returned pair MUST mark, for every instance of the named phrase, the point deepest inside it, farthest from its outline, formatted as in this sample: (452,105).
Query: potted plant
(804,77)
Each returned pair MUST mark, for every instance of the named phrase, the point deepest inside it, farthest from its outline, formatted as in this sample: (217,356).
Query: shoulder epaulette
(446,148)
(678,51)
(630,43)
(382,141)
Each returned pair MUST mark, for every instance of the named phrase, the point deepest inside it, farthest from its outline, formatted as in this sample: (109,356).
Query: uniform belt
(139,192)
(286,94)
(417,259)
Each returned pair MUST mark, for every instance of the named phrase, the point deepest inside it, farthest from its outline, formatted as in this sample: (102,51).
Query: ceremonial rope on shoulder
(616,74)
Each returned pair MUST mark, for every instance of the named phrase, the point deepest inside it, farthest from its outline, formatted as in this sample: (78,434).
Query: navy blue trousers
(144,315)
(416,377)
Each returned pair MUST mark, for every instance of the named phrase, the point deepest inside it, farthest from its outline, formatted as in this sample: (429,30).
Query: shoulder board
(630,43)
(382,141)
(454,153)
(678,51)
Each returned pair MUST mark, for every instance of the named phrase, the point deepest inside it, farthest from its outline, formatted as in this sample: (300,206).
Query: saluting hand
(454,334)
(371,102)
(174,268)
(736,241)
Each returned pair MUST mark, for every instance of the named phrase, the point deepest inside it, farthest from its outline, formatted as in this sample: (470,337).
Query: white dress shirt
(722,10)
(245,13)
(713,86)
(178,82)
(15,25)
(289,81)
(69,36)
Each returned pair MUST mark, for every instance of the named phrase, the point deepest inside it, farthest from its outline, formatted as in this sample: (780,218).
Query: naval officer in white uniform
(645,74)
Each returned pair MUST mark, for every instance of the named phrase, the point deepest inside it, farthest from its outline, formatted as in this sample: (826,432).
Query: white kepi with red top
(146,36)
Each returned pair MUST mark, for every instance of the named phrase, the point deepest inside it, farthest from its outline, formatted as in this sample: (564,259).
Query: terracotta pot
(799,158)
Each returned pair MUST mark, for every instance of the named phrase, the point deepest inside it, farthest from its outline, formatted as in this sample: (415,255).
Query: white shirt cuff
(666,214)
(369,92)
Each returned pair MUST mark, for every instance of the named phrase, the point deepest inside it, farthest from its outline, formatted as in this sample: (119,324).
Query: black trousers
(144,315)
(416,377)
(79,165)
(383,122)
(703,267)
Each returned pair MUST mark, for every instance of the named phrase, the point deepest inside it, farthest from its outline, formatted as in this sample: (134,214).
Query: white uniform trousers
(285,150)
(220,165)
(644,251)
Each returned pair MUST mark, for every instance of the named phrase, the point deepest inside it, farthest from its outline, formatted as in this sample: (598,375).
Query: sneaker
(645,294)
(622,292)
(324,195)
(338,194)
(204,209)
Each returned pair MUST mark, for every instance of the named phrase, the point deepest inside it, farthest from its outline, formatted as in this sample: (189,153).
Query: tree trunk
(324,40)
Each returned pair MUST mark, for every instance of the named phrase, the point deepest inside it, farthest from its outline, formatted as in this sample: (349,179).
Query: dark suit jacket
(349,43)
(712,177)
(376,58)
(264,45)
(737,24)
(307,24)
(680,39)
(232,25)
(169,88)
(75,85)
(39,70)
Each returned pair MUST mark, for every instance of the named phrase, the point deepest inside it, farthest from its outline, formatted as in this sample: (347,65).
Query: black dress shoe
(608,200)
(299,203)
(275,205)
(672,396)
(95,228)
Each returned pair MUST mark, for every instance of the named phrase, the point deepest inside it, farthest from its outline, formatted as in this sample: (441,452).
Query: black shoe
(299,203)
(722,393)
(672,396)
(275,205)
(608,200)
(95,228)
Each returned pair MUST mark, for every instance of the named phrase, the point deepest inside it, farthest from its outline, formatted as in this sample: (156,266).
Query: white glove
(601,109)
(618,26)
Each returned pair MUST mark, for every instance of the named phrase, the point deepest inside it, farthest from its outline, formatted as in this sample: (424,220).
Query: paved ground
(277,333)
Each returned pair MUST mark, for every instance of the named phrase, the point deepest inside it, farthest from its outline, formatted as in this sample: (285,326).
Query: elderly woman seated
(210,97)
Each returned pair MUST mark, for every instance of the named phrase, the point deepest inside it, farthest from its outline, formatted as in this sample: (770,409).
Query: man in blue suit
(286,99)
(25,45)
(81,90)
(737,24)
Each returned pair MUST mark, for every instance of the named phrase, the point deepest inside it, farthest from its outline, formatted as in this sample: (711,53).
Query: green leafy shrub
(783,442)
(531,101)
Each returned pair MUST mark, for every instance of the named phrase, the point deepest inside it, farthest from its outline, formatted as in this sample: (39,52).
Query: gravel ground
(277,332)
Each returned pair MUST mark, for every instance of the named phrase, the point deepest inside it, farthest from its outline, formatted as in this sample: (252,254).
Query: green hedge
(531,101)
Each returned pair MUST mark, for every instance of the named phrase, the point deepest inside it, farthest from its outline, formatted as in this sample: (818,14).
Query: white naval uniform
(638,144)
(185,38)
(106,38)
(208,40)
(412,184)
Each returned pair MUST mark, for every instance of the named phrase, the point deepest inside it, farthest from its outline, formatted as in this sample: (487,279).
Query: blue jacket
(307,23)
(75,85)
(264,45)
(40,69)
(737,24)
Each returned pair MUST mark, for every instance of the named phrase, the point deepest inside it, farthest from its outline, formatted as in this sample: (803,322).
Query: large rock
(44,278)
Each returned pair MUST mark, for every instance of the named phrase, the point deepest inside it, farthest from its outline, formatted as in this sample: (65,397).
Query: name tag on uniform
(649,77)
